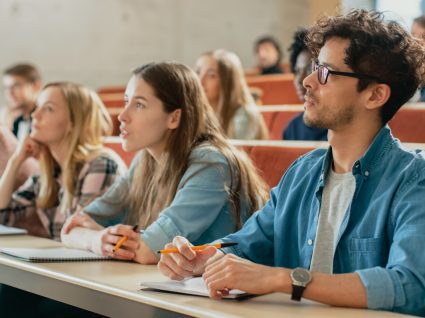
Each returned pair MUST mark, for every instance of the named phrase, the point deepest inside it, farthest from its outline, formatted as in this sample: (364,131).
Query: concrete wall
(98,42)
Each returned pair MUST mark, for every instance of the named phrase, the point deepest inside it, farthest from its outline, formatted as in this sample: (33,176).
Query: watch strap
(297,292)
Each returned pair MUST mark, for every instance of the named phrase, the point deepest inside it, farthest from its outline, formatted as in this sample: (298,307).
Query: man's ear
(174,119)
(378,96)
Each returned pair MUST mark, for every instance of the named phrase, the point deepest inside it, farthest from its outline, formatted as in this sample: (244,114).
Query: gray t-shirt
(337,195)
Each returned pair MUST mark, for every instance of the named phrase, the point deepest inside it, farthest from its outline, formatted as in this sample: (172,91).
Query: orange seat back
(277,89)
(273,161)
(408,124)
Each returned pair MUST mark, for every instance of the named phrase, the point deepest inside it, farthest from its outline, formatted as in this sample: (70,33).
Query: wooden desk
(112,289)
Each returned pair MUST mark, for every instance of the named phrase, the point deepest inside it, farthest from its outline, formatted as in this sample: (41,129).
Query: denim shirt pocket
(367,252)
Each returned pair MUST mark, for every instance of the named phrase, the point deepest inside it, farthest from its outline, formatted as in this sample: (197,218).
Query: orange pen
(198,248)
(122,241)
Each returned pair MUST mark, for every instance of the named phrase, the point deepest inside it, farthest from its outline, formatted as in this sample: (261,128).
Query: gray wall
(97,42)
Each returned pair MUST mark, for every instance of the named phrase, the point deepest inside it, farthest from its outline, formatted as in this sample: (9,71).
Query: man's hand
(232,272)
(187,262)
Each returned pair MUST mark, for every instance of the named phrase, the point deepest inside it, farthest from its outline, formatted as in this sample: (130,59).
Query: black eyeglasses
(323,73)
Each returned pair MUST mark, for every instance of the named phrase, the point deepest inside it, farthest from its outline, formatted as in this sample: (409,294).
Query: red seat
(278,117)
(408,124)
(277,89)
(273,161)
(111,90)
(281,120)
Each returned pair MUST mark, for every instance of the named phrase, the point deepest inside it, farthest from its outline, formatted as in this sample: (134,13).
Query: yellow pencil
(122,241)
(197,248)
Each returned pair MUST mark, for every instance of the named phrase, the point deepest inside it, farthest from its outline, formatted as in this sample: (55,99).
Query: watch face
(301,275)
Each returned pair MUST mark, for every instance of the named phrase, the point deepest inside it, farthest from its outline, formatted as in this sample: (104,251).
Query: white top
(337,195)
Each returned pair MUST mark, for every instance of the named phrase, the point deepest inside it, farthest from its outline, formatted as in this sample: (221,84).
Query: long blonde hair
(155,184)
(235,93)
(90,122)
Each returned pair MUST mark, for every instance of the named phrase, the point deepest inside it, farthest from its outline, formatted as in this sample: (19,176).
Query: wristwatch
(300,278)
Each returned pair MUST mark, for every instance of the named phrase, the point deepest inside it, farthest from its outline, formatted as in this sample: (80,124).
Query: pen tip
(228,244)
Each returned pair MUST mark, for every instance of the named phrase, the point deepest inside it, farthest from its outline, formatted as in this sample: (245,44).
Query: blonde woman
(67,130)
(224,83)
(188,180)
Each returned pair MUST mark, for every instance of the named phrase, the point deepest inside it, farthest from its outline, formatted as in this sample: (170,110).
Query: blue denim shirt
(382,232)
(201,209)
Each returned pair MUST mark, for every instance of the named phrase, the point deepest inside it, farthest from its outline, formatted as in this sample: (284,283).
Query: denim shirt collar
(379,147)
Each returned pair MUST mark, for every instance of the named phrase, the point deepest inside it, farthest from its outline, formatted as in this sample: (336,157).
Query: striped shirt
(94,178)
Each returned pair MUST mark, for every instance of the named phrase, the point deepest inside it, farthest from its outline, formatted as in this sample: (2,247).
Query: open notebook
(57,254)
(192,286)
(8,230)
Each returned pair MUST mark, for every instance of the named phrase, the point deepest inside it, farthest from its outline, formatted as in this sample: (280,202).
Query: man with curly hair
(345,226)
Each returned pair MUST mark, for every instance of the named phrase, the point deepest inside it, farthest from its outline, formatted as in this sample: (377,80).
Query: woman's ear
(378,96)
(174,119)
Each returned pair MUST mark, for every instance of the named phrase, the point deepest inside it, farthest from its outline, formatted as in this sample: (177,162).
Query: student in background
(22,84)
(269,55)
(300,60)
(345,226)
(224,84)
(8,145)
(418,28)
(187,180)
(67,130)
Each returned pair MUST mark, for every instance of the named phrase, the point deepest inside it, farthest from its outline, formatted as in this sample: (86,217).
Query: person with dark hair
(345,225)
(22,83)
(418,28)
(300,61)
(269,55)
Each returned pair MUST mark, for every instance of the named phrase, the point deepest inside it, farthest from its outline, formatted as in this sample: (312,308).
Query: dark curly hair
(298,45)
(381,49)
(273,41)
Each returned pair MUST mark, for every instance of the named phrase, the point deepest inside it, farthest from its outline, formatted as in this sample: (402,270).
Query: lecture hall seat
(408,124)
(276,89)
(278,117)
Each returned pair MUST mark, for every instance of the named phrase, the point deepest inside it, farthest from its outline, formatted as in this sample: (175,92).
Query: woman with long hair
(187,180)
(224,83)
(67,132)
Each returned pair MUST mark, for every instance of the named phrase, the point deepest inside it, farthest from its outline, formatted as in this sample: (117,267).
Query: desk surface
(112,288)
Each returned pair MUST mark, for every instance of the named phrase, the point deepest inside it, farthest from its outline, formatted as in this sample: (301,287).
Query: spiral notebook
(191,286)
(8,230)
(57,254)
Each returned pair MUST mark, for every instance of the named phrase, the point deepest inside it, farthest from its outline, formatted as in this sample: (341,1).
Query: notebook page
(57,254)
(192,286)
(8,230)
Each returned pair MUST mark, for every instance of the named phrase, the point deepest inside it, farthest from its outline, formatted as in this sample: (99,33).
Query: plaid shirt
(95,177)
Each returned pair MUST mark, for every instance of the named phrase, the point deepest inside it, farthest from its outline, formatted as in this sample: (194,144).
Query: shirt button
(310,242)
(366,173)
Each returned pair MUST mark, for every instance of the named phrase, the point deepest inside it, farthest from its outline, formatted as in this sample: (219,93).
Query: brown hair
(154,184)
(27,71)
(235,94)
(380,49)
